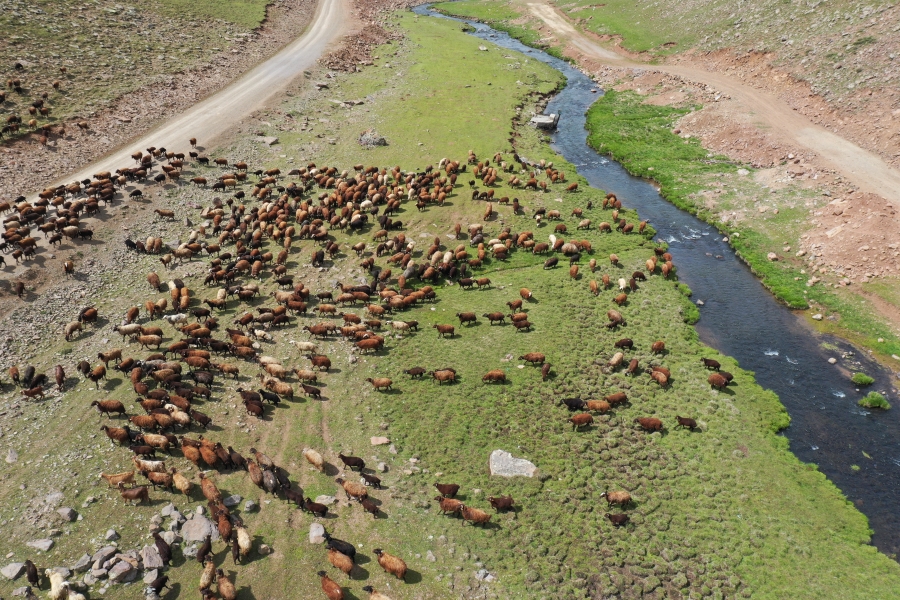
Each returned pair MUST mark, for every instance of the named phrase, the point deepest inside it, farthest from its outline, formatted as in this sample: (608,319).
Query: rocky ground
(28,166)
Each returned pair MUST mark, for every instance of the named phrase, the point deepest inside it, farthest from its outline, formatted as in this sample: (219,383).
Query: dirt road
(864,169)
(225,109)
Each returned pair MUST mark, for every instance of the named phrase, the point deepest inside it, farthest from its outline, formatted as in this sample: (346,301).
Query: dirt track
(223,110)
(863,168)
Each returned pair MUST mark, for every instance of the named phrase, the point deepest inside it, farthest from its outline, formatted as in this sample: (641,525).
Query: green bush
(874,400)
(862,379)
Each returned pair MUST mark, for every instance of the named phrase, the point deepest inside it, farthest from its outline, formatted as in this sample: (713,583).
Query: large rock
(104,554)
(316,533)
(326,500)
(506,465)
(43,545)
(122,572)
(83,563)
(67,513)
(379,441)
(13,571)
(232,501)
(151,558)
(197,528)
(111,535)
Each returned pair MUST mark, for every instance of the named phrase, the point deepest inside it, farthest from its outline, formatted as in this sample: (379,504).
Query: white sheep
(622,284)
(314,458)
(305,346)
(400,327)
(172,319)
(58,588)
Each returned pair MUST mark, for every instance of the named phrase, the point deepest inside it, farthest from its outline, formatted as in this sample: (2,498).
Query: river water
(742,319)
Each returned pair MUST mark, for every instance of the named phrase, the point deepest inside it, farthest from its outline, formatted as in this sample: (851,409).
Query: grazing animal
(621,498)
(686,422)
(353,489)
(447,490)
(340,561)
(352,462)
(711,364)
(581,420)
(717,381)
(474,515)
(496,375)
(448,505)
(501,502)
(374,595)
(390,563)
(139,493)
(617,520)
(332,590)
(380,383)
(535,358)
(314,458)
(649,423)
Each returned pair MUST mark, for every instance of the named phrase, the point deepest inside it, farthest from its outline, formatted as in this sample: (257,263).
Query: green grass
(862,379)
(726,510)
(874,400)
(246,13)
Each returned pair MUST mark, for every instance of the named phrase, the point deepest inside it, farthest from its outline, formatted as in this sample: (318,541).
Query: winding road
(863,168)
(222,111)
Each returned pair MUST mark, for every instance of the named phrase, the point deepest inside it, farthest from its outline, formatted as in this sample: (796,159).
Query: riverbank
(724,509)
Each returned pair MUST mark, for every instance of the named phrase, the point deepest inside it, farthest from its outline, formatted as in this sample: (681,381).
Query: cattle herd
(177,364)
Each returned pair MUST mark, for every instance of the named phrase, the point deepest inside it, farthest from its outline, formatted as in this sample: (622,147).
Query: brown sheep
(139,493)
(717,381)
(353,489)
(535,358)
(595,289)
(474,515)
(494,375)
(621,498)
(392,564)
(501,503)
(115,354)
(380,383)
(444,375)
(447,490)
(526,294)
(332,590)
(444,330)
(448,505)
(515,305)
(373,594)
(340,561)
(649,423)
(686,422)
(115,479)
(545,371)
(600,406)
(581,420)
(616,398)
(658,347)
(109,406)
(314,458)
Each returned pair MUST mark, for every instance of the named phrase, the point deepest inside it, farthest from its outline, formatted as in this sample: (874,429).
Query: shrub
(862,379)
(874,400)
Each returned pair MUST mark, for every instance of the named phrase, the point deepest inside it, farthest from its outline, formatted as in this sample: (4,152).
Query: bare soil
(26,165)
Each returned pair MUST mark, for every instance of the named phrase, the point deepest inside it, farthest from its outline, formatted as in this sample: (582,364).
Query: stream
(740,318)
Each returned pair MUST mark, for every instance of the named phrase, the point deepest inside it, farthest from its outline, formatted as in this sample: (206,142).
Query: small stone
(13,571)
(190,551)
(167,510)
(772,256)
(54,499)
(98,573)
(250,505)
(89,579)
(67,513)
(430,556)
(150,575)
(111,535)
(44,545)
(156,520)
(82,564)
(20,591)
(326,500)
(817,317)
(232,501)
(316,533)
(381,467)
(392,449)
(11,456)
(832,360)
(379,441)
(265,549)
(65,572)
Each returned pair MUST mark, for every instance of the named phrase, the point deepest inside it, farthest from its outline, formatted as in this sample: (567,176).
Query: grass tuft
(874,400)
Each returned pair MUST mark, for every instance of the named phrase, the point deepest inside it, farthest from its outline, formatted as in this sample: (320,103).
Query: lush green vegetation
(874,400)
(862,379)
(640,137)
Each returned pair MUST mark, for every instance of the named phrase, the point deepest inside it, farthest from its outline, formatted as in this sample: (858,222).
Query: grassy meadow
(722,511)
